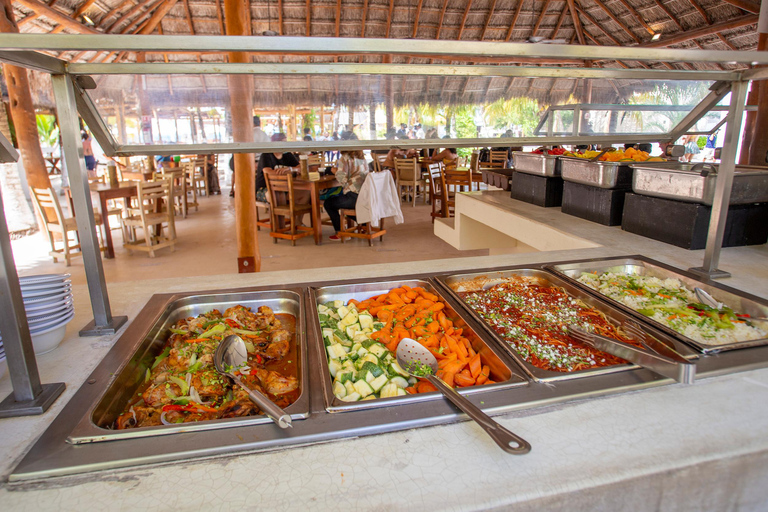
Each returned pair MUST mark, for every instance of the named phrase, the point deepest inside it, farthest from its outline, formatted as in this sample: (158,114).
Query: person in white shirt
(419,131)
(259,135)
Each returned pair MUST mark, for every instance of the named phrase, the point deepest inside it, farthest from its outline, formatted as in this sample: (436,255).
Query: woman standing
(350,173)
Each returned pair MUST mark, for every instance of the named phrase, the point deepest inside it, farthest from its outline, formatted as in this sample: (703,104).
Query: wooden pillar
(755,135)
(23,110)
(322,120)
(145,110)
(292,123)
(372,120)
(202,125)
(236,14)
(351,119)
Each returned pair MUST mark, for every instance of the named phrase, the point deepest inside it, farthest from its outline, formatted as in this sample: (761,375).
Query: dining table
(314,187)
(124,190)
(54,161)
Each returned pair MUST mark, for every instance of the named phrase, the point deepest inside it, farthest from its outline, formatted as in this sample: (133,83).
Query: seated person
(389,161)
(447,156)
(271,161)
(350,173)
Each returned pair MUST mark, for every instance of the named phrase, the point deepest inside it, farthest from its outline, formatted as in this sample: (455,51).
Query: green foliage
(503,114)
(308,121)
(682,93)
(464,119)
(47,130)
(701,141)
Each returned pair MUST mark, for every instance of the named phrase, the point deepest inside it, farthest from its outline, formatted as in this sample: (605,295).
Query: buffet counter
(701,446)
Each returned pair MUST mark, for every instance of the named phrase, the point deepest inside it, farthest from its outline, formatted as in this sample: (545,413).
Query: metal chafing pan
(534,163)
(476,281)
(607,175)
(695,183)
(739,301)
(504,373)
(96,425)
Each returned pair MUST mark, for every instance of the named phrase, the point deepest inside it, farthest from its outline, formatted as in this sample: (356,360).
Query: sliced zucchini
(399,382)
(395,368)
(366,320)
(379,383)
(339,389)
(343,376)
(378,350)
(388,390)
(370,358)
(350,387)
(352,397)
(363,388)
(401,392)
(334,366)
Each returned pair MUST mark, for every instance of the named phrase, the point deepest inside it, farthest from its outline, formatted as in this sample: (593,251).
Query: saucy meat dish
(533,319)
(182,384)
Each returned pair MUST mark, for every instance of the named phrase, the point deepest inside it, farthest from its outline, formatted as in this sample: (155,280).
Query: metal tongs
(659,358)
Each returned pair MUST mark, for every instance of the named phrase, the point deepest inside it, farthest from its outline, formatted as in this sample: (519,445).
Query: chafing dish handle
(683,372)
(704,169)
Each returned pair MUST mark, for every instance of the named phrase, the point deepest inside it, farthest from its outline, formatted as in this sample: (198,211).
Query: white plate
(43,326)
(38,321)
(44,293)
(50,309)
(44,342)
(43,278)
(35,303)
(28,288)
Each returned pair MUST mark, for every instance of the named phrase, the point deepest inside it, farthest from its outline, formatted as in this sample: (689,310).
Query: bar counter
(673,447)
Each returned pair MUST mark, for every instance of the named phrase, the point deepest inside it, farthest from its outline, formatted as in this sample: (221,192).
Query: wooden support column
(372,120)
(757,122)
(322,120)
(237,18)
(145,111)
(23,110)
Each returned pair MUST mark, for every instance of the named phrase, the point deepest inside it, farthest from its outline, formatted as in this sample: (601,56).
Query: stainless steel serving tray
(608,175)
(741,302)
(685,182)
(534,163)
(454,283)
(96,424)
(504,373)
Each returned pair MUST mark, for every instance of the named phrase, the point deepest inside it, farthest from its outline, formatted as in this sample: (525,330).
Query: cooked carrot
(355,302)
(484,374)
(429,296)
(433,327)
(489,381)
(448,377)
(443,320)
(425,387)
(475,366)
(397,291)
(411,390)
(412,294)
(460,379)
(419,330)
(437,306)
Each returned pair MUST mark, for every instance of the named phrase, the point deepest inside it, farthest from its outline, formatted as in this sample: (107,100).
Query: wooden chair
(179,189)
(153,209)
(188,168)
(56,224)
(262,223)
(408,173)
(315,160)
(498,159)
(201,179)
(280,190)
(437,191)
(350,228)
(454,181)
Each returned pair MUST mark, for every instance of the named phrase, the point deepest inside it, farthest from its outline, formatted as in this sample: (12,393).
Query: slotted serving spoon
(230,355)
(707,299)
(412,356)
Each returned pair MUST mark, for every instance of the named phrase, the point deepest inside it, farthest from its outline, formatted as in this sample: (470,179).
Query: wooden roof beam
(487,19)
(464,19)
(416,19)
(338,17)
(616,20)
(745,5)
(704,15)
(637,16)
(308,11)
(541,17)
(279,17)
(596,24)
(439,23)
(27,19)
(702,32)
(220,17)
(128,15)
(559,23)
(514,19)
(78,12)
(365,17)
(188,15)
(389,17)
(56,16)
(576,21)
(111,13)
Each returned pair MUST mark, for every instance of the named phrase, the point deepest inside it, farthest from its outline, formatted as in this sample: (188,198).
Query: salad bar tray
(535,163)
(608,175)
(695,183)
(663,296)
(505,374)
(99,423)
(470,289)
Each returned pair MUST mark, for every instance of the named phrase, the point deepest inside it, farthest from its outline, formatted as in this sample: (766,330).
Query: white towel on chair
(378,199)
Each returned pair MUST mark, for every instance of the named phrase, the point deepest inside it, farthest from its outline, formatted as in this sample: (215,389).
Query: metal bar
(348,45)
(33,60)
(7,152)
(576,120)
(718,91)
(344,145)
(724,184)
(755,74)
(95,122)
(356,68)
(72,154)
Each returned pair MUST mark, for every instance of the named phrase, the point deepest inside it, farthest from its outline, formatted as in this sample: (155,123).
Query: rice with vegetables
(671,303)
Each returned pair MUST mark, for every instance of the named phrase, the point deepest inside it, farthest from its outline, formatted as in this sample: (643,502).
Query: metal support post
(29,396)
(72,153)
(724,185)
(576,120)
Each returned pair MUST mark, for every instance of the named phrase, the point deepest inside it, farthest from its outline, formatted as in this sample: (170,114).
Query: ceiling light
(656,36)
(88,21)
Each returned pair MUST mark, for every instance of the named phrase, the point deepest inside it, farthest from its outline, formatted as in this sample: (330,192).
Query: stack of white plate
(49,306)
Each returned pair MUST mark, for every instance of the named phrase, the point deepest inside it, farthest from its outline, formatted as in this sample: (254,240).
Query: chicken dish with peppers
(182,384)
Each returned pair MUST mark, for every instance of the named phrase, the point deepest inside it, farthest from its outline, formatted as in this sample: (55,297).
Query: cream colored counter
(699,447)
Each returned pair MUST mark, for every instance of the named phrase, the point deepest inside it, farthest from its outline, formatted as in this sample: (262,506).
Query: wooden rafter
(112,12)
(416,19)
(704,15)
(669,14)
(309,18)
(745,5)
(56,16)
(514,19)
(616,20)
(78,12)
(165,58)
(637,16)
(220,18)
(487,19)
(702,32)
(128,15)
(596,24)
(541,17)
(439,23)
(389,17)
(338,17)
(576,21)
(280,17)
(188,15)
(365,17)
(559,23)
(27,19)
(464,20)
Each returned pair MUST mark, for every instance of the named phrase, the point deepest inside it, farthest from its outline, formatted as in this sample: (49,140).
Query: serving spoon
(412,356)
(230,355)
(708,300)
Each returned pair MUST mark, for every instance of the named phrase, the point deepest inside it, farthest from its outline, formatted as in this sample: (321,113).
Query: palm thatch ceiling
(689,24)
